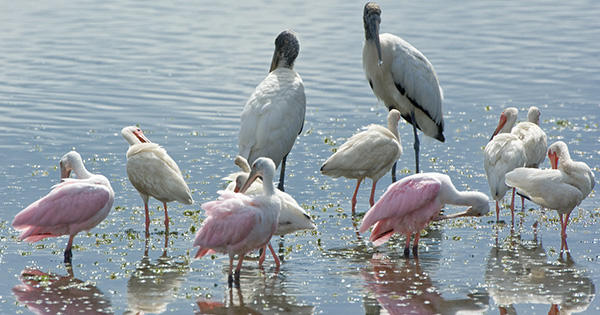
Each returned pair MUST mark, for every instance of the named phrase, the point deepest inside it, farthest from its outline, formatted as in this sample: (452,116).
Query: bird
(409,204)
(561,188)
(369,153)
(402,78)
(236,223)
(71,206)
(273,116)
(534,140)
(153,173)
(502,154)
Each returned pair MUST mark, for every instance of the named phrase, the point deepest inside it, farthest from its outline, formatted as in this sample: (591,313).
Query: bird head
(287,48)
(371,20)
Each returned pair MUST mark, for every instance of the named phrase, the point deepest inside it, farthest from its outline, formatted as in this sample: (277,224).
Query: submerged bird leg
(230,274)
(277,262)
(282,174)
(147,220)
(563,233)
(68,253)
(354,196)
(416,245)
(372,199)
(407,247)
(166,217)
(394,172)
(237,270)
(417,144)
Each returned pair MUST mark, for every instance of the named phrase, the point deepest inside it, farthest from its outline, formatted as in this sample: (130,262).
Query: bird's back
(502,154)
(534,141)
(273,117)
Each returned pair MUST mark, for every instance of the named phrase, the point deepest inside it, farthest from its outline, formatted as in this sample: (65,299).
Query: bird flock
(251,210)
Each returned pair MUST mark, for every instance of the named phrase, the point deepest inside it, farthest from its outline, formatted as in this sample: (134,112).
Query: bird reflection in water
(258,295)
(402,287)
(153,285)
(49,293)
(518,272)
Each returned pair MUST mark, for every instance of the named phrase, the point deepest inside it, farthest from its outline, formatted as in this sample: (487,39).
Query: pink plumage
(409,204)
(72,206)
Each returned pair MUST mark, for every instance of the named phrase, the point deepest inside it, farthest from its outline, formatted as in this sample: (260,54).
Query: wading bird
(153,173)
(561,188)
(409,204)
(72,206)
(502,154)
(274,114)
(369,153)
(403,79)
(237,224)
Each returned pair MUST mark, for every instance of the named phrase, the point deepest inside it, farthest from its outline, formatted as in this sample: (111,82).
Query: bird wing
(229,221)
(154,173)
(73,202)
(369,153)
(534,141)
(273,117)
(402,198)
(415,76)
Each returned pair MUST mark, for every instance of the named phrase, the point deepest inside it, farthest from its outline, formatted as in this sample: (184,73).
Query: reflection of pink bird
(237,224)
(154,173)
(370,153)
(410,204)
(502,154)
(71,207)
(561,188)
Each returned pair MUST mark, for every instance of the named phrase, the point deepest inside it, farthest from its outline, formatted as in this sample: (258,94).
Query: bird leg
(166,217)
(406,248)
(416,245)
(563,233)
(497,212)
(372,199)
(512,205)
(277,262)
(394,172)
(230,273)
(417,144)
(282,174)
(238,269)
(68,253)
(147,220)
(261,258)
(354,196)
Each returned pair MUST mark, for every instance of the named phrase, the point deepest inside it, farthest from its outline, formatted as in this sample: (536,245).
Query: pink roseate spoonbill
(502,154)
(274,114)
(153,173)
(72,206)
(236,223)
(403,79)
(561,188)
(409,204)
(534,140)
(370,153)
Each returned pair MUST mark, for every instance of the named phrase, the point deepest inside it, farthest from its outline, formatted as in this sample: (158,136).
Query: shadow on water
(519,273)
(401,286)
(49,293)
(153,284)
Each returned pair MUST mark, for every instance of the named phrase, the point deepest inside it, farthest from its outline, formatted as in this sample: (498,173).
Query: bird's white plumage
(273,116)
(501,155)
(533,137)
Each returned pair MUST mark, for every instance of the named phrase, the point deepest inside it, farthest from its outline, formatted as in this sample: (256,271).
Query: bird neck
(268,188)
(81,172)
(393,127)
(467,198)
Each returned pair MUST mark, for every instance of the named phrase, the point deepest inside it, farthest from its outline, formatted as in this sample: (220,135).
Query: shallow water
(74,74)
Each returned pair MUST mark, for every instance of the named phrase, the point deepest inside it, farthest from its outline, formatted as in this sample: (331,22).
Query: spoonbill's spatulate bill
(236,223)
(403,79)
(274,114)
(502,154)
(72,206)
(411,203)
(153,173)
(370,153)
(561,188)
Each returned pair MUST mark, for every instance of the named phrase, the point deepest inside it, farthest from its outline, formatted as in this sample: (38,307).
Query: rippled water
(73,74)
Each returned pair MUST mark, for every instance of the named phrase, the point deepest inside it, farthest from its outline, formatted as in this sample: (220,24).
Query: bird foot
(406,252)
(68,256)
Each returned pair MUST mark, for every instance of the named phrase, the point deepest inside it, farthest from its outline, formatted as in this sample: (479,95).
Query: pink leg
(416,245)
(230,273)
(522,204)
(354,196)
(261,259)
(277,262)
(166,216)
(238,269)
(147,220)
(512,205)
(497,212)
(372,199)
(563,232)
(406,248)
